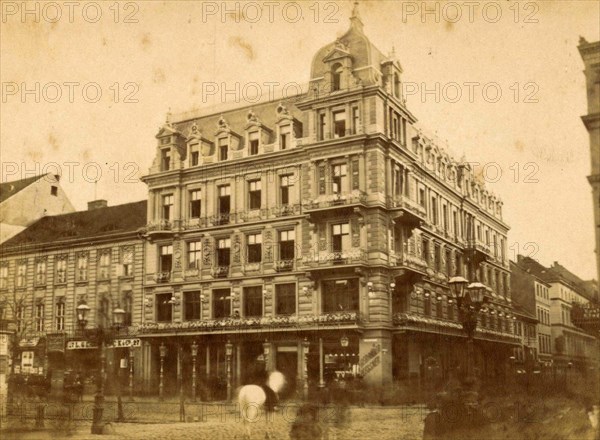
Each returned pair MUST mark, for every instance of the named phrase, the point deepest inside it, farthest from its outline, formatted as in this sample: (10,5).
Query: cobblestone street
(405,423)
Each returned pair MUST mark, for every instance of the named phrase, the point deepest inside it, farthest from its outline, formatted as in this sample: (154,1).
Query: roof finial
(168,118)
(355,18)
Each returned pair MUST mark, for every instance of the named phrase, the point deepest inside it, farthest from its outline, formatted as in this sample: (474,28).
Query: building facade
(571,347)
(24,201)
(59,262)
(316,235)
(590,53)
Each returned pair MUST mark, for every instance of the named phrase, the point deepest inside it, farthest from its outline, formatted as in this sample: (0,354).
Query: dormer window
(253,143)
(396,86)
(166,160)
(194,158)
(339,124)
(284,137)
(336,77)
(223,149)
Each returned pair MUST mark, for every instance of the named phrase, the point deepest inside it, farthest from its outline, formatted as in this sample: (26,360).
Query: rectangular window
(39,317)
(104,265)
(339,124)
(167,206)
(340,295)
(223,251)
(445,217)
(340,235)
(223,149)
(3,277)
(60,315)
(254,248)
(448,263)
(253,301)
(322,126)
(194,254)
(254,194)
(224,204)
(285,185)
(286,245)
(164,309)
(434,210)
(40,272)
(54,191)
(254,143)
(221,303)
(195,158)
(166,160)
(398,175)
(127,261)
(285,299)
(61,270)
(340,179)
(284,137)
(422,200)
(355,120)
(165,259)
(191,305)
(437,258)
(21,273)
(82,267)
(455,223)
(425,250)
(195,203)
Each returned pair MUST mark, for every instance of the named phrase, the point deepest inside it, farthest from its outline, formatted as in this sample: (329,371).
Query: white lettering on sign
(118,343)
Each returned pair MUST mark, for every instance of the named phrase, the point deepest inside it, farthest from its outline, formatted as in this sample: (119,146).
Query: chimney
(96,204)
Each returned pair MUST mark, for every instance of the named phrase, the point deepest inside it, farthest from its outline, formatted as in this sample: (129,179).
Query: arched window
(336,73)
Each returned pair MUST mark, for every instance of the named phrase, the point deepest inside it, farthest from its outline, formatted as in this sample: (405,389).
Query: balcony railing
(335,200)
(195,223)
(221,271)
(222,218)
(405,204)
(252,267)
(353,256)
(284,265)
(410,260)
(286,210)
(273,322)
(159,226)
(163,277)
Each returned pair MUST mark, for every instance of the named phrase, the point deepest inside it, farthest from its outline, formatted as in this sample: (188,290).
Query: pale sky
(167,51)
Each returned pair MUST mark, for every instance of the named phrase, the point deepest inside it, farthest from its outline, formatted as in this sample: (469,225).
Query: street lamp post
(305,348)
(228,353)
(130,374)
(194,349)
(469,299)
(163,354)
(101,336)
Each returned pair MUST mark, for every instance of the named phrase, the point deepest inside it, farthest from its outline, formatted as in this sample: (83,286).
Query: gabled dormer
(171,148)
(228,142)
(256,133)
(339,68)
(288,128)
(392,75)
(198,147)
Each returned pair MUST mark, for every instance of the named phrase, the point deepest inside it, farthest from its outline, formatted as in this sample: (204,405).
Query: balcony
(222,219)
(343,203)
(405,210)
(220,272)
(158,229)
(284,265)
(408,263)
(292,323)
(253,215)
(194,223)
(481,252)
(286,210)
(333,260)
(252,267)
(163,277)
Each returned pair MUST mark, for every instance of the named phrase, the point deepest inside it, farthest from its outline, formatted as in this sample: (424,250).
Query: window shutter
(321,176)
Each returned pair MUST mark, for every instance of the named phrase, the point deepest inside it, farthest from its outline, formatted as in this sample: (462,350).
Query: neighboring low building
(24,201)
(47,270)
(526,356)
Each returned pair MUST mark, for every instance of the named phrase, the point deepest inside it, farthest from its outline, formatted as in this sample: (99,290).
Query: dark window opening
(221,303)
(164,309)
(254,248)
(254,194)
(54,190)
(285,299)
(192,305)
(339,124)
(340,295)
(253,301)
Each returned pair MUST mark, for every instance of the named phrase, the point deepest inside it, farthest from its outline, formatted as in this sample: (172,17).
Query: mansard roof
(94,223)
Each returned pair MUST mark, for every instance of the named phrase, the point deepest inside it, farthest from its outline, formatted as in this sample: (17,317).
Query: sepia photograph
(300,220)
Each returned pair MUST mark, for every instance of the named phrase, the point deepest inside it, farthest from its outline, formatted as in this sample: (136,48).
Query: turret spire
(355,20)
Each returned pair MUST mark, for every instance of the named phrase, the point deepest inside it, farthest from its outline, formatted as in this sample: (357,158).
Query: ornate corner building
(590,53)
(316,235)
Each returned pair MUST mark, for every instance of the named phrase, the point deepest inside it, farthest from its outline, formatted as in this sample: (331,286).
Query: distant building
(590,53)
(60,261)
(24,201)
(571,346)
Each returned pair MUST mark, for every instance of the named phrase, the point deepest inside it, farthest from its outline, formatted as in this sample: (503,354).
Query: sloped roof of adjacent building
(556,274)
(93,223)
(9,189)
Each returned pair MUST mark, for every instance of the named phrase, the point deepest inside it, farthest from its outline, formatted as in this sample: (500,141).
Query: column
(321,366)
